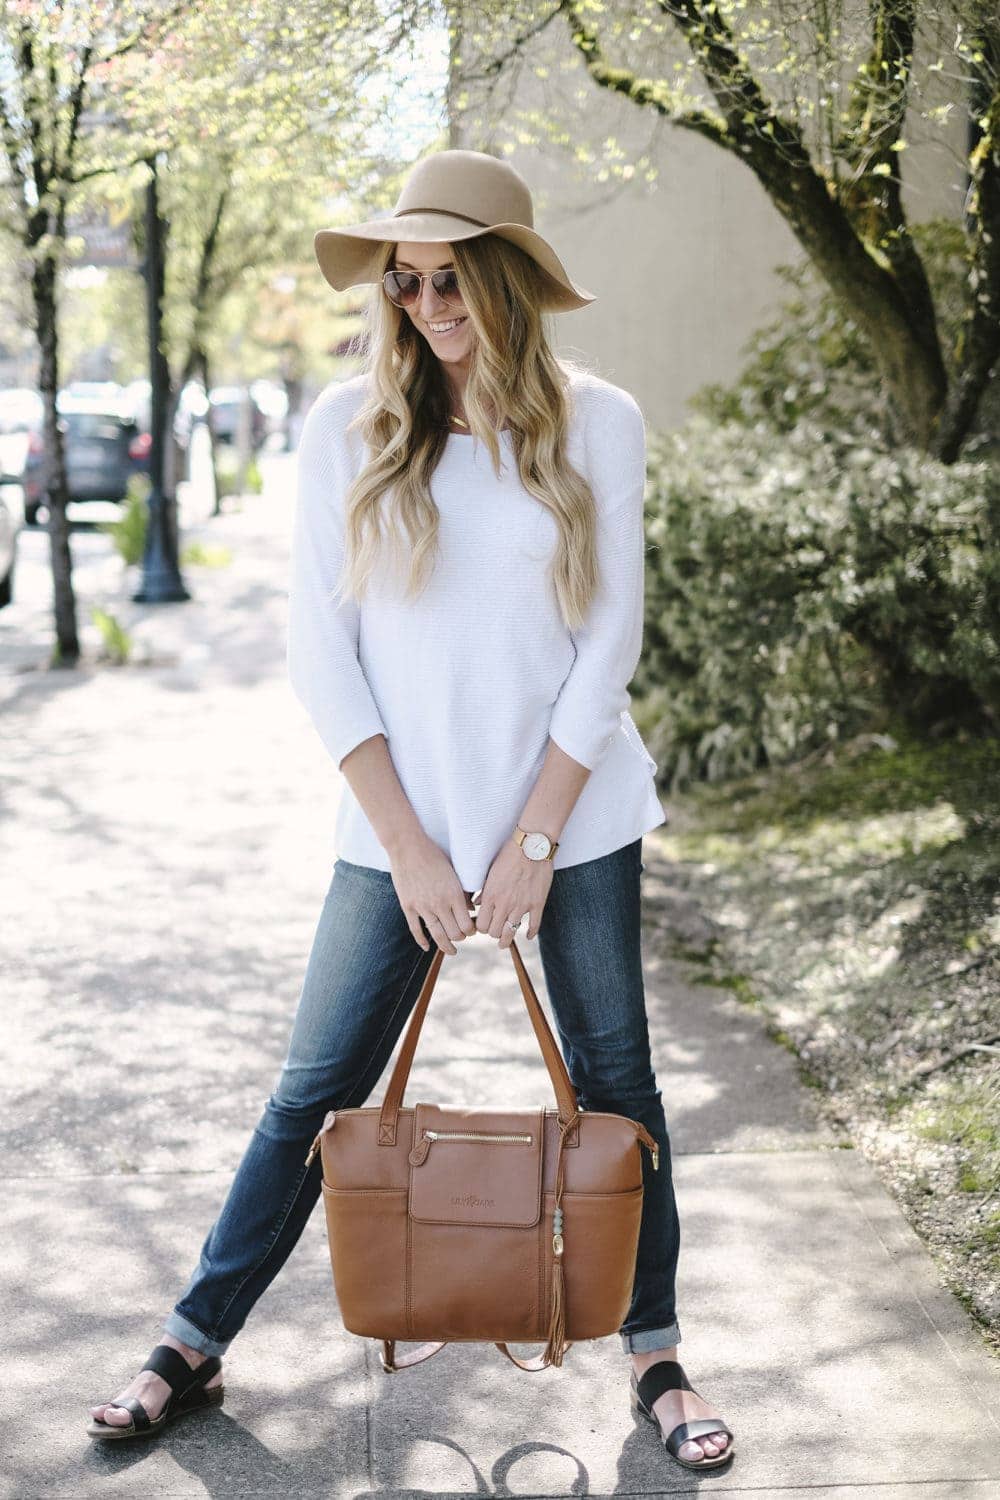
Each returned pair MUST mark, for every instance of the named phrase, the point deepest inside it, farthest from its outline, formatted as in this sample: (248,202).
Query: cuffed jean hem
(191,1334)
(650,1338)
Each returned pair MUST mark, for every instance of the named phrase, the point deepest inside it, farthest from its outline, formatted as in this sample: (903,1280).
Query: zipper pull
(327,1124)
(648,1141)
(420,1150)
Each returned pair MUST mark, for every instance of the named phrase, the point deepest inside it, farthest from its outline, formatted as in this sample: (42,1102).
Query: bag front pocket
(367,1233)
(476,1167)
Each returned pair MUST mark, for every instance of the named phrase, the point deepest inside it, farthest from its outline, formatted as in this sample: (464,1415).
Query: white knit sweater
(469,680)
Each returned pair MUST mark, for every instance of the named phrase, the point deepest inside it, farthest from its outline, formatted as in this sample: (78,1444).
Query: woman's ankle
(194,1357)
(641,1362)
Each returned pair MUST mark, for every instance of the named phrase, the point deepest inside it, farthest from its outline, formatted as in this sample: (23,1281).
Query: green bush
(227,473)
(807,576)
(116,643)
(254,483)
(801,585)
(128,531)
(197,554)
(225,470)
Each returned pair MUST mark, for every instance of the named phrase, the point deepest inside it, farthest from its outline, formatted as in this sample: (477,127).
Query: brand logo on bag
(469,1200)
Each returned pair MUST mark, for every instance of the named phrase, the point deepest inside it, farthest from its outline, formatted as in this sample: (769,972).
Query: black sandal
(187,1394)
(668,1375)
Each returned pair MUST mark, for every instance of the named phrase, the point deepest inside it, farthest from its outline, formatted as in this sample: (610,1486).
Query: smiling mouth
(452,325)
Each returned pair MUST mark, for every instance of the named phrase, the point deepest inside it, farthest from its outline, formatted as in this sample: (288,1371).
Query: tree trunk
(212,445)
(43,287)
(889,300)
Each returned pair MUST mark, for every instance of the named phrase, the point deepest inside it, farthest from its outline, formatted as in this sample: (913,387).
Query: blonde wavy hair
(404,423)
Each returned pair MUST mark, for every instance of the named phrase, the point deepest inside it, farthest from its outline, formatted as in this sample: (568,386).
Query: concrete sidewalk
(167,843)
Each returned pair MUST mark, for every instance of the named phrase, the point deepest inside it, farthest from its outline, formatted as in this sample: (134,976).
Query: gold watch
(534,845)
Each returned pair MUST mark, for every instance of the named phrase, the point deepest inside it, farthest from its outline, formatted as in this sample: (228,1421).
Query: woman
(476,704)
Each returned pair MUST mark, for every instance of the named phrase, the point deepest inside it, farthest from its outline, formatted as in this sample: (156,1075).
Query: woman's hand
(514,885)
(428,887)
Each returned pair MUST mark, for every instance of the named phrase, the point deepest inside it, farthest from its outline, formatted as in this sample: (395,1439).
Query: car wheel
(7,588)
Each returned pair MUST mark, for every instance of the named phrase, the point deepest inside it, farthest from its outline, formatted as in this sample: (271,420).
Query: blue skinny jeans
(362,980)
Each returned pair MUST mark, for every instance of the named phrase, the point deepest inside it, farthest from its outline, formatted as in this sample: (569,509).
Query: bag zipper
(474,1135)
(328,1123)
(649,1142)
(420,1150)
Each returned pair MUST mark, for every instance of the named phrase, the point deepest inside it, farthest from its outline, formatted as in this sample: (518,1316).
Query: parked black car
(103,447)
(224,415)
(192,408)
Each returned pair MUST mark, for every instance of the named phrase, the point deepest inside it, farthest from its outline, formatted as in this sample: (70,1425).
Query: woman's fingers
(464,917)
(507,933)
(431,896)
(439,933)
(413,923)
(453,922)
(463,921)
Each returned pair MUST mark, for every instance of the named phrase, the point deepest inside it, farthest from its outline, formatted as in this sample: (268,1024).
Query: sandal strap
(665,1375)
(140,1416)
(700,1428)
(172,1367)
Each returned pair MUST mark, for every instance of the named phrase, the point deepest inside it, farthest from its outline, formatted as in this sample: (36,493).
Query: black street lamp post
(161,577)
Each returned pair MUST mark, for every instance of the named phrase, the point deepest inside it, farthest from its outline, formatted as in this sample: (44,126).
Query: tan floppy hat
(449,195)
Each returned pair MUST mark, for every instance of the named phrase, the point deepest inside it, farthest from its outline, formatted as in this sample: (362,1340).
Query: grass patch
(859,898)
(204,556)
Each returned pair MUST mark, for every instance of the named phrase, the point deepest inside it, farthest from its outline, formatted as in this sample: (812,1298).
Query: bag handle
(551,1055)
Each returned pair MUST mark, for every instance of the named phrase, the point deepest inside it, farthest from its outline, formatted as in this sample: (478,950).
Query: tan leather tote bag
(453,1223)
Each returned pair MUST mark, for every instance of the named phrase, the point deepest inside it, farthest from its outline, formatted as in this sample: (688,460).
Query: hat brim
(347,257)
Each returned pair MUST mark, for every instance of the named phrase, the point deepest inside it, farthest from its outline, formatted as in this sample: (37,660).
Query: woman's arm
(587,712)
(327,676)
(554,794)
(371,775)
(323,664)
(322,647)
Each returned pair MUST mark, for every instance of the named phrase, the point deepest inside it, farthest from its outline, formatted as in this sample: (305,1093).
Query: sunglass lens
(445,283)
(402,287)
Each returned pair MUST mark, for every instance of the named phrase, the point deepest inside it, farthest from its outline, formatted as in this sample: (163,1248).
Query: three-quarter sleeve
(587,712)
(322,642)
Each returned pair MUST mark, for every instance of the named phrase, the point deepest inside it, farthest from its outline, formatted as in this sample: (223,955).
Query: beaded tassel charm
(554,1349)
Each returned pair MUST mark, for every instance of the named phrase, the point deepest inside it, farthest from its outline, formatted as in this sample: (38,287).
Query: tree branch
(501,60)
(873,195)
(980,338)
(149,27)
(644,92)
(75,111)
(925,1069)
(881,94)
(774,149)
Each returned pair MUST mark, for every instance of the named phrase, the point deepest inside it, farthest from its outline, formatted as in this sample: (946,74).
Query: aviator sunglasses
(405,287)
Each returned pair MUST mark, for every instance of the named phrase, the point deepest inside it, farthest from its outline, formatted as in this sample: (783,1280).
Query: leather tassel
(555,1347)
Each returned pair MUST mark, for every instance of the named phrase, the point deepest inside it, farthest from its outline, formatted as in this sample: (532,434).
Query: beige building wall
(683,269)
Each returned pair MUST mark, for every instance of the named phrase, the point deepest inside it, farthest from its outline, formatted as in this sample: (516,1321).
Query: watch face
(536,845)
